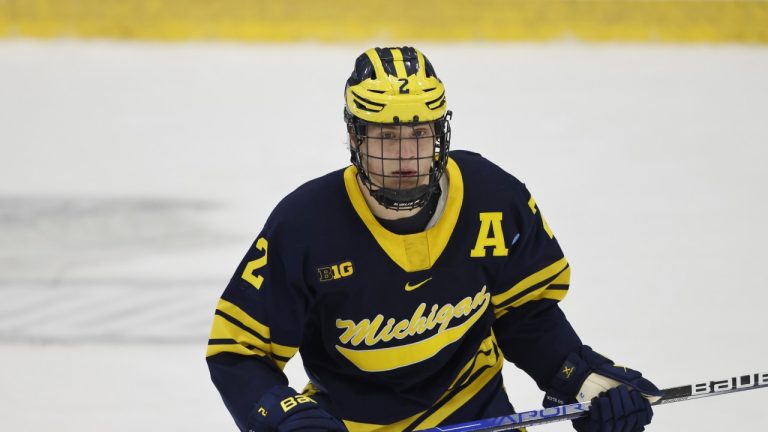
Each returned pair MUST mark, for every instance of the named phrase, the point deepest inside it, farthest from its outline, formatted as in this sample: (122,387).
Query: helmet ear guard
(396,86)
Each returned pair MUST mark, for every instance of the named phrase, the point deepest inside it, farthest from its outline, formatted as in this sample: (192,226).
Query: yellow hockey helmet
(395,85)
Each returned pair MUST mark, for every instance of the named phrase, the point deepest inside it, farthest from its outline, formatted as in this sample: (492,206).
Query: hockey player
(405,279)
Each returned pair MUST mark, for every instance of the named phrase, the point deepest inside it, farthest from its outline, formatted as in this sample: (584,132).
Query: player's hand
(620,409)
(282,409)
(621,397)
(586,374)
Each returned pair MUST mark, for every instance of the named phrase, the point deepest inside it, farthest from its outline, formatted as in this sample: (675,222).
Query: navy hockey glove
(586,374)
(282,409)
(620,409)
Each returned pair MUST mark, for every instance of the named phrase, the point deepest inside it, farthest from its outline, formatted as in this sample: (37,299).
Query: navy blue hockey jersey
(396,332)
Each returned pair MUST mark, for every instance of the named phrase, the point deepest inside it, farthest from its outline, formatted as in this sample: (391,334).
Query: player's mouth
(405,173)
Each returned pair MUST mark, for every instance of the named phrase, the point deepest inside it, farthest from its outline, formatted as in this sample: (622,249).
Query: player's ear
(353,142)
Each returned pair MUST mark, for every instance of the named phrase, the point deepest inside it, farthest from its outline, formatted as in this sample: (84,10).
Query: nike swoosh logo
(409,287)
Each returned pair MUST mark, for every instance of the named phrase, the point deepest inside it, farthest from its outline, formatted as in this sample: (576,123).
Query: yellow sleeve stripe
(556,289)
(233,347)
(283,351)
(498,313)
(550,294)
(223,330)
(256,328)
(548,272)
(556,285)
(229,337)
(235,312)
(554,295)
(218,346)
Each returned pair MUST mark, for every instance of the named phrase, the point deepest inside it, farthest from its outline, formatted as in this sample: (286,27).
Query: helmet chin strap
(404,199)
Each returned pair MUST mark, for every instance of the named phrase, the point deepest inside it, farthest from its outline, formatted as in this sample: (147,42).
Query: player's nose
(409,148)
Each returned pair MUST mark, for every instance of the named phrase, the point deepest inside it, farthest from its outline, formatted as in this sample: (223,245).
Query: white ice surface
(134,176)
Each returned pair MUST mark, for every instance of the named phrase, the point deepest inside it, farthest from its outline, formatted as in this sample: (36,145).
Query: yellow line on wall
(392,20)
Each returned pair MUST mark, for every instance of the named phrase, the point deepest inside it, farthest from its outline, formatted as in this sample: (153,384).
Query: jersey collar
(419,251)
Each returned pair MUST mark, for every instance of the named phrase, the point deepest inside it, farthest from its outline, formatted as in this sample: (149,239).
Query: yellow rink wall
(391,20)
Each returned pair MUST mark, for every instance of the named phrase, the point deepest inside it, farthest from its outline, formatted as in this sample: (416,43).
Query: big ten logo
(292,401)
(336,271)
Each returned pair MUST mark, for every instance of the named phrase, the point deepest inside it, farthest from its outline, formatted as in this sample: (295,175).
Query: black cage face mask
(400,163)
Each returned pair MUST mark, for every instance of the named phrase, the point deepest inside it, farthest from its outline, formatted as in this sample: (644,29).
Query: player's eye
(420,132)
(388,135)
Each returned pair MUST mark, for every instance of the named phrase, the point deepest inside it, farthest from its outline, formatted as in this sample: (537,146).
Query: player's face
(397,156)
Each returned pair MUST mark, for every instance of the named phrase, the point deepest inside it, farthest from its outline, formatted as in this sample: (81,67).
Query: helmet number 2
(403,84)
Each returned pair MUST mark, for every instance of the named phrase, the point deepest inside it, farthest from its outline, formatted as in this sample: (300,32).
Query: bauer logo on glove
(292,401)
(296,412)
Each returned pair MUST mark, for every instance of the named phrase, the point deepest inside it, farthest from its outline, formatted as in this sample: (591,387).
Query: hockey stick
(569,412)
